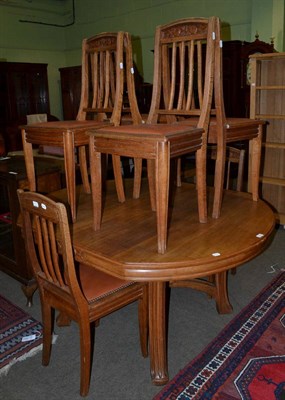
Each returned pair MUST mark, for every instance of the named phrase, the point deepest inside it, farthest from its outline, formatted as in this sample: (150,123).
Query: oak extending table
(126,247)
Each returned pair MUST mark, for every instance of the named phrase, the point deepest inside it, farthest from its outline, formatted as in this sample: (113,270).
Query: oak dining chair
(177,57)
(105,59)
(79,292)
(224,131)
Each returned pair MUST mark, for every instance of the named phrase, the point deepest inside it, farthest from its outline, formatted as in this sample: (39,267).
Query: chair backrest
(184,70)
(35,118)
(107,67)
(48,247)
(219,107)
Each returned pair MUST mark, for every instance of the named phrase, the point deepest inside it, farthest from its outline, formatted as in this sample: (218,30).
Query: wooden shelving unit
(267,102)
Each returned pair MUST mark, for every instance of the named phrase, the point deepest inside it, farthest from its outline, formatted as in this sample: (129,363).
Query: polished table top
(126,246)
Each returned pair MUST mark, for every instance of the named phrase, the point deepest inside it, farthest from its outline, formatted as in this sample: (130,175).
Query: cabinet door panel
(23,91)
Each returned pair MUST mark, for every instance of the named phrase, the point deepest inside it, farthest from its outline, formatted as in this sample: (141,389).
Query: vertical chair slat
(94,78)
(107,80)
(112,80)
(102,64)
(165,50)
(119,79)
(200,73)
(47,246)
(173,77)
(39,241)
(43,247)
(181,96)
(190,93)
(55,254)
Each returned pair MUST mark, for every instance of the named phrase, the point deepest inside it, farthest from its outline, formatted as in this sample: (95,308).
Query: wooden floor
(127,239)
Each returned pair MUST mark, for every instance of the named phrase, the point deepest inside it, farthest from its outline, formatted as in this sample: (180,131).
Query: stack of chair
(187,97)
(106,65)
(177,58)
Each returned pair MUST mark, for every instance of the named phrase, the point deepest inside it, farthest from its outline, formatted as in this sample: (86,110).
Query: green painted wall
(29,42)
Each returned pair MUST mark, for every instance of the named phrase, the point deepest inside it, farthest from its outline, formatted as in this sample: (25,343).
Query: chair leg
(162,173)
(83,168)
(118,178)
(240,170)
(151,183)
(85,356)
(143,321)
(201,184)
(47,332)
(178,173)
(137,178)
(219,180)
(255,149)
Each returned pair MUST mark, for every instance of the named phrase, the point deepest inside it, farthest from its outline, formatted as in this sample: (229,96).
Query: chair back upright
(183,71)
(107,73)
(48,246)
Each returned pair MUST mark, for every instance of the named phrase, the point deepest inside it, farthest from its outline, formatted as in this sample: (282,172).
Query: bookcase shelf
(267,102)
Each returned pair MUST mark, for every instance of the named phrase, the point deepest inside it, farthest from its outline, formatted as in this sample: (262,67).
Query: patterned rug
(245,361)
(20,335)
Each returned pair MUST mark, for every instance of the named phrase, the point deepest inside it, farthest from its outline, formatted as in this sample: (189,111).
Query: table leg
(83,168)
(222,301)
(151,182)
(137,177)
(201,184)
(157,333)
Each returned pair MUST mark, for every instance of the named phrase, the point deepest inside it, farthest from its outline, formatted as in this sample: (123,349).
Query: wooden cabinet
(232,85)
(267,78)
(12,250)
(235,74)
(70,79)
(23,91)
